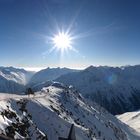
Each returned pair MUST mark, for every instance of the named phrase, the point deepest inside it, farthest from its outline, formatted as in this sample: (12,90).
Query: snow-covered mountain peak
(13,80)
(15,74)
(90,67)
(50,112)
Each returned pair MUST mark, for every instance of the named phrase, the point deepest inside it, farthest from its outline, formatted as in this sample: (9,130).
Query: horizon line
(35,69)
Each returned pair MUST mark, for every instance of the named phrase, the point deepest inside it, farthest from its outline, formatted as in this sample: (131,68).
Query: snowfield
(50,113)
(132,119)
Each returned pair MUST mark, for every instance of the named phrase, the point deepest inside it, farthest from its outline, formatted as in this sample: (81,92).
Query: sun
(62,41)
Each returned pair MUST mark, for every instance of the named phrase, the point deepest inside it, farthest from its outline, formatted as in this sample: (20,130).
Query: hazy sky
(108,32)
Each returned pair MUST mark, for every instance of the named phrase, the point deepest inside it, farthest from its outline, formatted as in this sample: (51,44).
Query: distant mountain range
(115,88)
(49,74)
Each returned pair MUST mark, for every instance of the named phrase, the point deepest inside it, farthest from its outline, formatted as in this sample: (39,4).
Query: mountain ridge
(50,113)
(108,86)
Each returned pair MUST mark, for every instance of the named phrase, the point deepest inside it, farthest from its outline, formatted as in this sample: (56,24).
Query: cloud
(34,68)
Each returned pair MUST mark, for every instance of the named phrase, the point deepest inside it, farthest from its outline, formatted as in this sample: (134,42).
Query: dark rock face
(22,126)
(117,105)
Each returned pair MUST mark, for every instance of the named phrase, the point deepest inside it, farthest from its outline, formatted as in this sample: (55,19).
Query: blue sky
(108,32)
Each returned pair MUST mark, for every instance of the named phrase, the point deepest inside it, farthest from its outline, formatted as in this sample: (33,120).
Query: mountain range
(49,74)
(62,97)
(115,88)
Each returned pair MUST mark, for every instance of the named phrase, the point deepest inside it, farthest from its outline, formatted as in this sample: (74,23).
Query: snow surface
(51,111)
(132,119)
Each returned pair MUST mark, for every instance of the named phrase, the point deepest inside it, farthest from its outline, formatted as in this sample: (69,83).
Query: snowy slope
(20,76)
(49,74)
(50,113)
(132,119)
(13,80)
(115,88)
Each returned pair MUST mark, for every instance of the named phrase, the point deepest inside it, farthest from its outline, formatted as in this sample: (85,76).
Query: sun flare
(62,41)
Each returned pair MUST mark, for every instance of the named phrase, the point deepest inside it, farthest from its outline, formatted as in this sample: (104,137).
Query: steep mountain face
(49,74)
(50,112)
(132,119)
(13,80)
(116,89)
